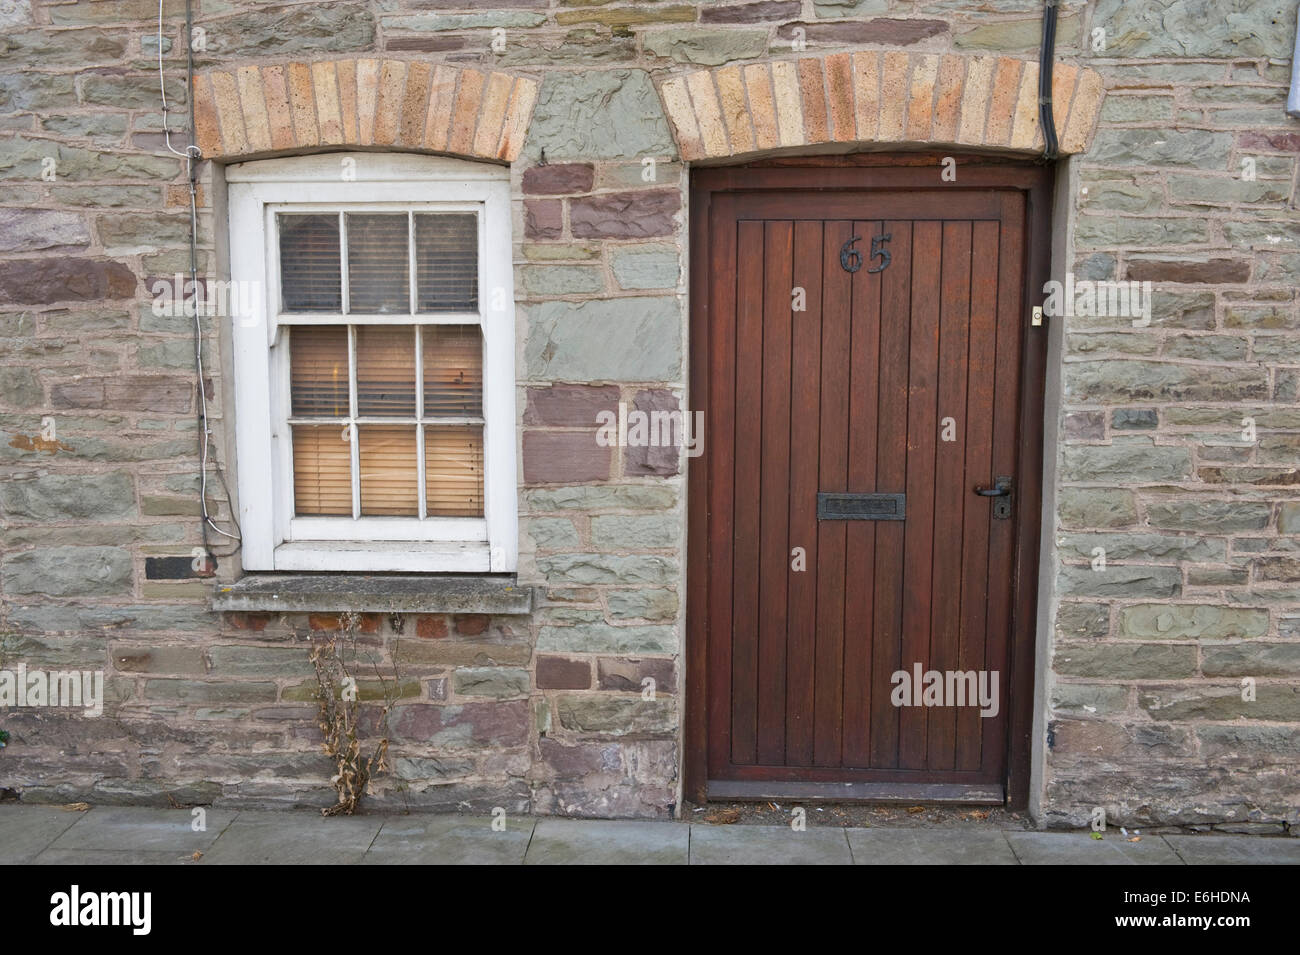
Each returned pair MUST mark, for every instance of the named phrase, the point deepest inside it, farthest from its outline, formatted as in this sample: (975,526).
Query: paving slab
(1236,850)
(110,857)
(450,840)
(1079,848)
(282,838)
(26,830)
(929,847)
(606,842)
(767,845)
(138,829)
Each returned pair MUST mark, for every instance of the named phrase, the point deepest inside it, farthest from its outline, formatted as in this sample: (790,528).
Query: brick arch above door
(272,108)
(878,96)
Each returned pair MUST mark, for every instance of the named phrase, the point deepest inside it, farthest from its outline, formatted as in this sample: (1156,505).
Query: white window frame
(273,538)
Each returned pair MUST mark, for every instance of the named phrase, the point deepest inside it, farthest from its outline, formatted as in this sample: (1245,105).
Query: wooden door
(860,357)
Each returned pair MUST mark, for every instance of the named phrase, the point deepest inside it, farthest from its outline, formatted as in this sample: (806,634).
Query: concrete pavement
(135,835)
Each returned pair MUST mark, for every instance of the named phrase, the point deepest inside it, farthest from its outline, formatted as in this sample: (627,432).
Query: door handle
(1001,490)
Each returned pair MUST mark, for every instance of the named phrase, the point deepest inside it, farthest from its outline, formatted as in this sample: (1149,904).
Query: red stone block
(431,626)
(559,178)
(564,457)
(543,218)
(472,624)
(561,673)
(569,406)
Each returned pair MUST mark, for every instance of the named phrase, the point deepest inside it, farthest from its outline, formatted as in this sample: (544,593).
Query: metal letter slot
(861,507)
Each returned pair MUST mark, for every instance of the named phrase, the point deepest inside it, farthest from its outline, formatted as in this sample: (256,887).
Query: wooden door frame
(880,171)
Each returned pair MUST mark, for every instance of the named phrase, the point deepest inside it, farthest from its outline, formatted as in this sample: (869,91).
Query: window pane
(446,263)
(453,470)
(386,370)
(322,471)
(389,471)
(453,370)
(378,264)
(309,263)
(318,362)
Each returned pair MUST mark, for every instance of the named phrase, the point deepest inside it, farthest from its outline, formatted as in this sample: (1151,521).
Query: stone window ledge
(374,593)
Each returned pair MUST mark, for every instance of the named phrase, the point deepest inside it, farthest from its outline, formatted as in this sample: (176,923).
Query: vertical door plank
(774,504)
(722,415)
(891,471)
(746,383)
(833,457)
(922,428)
(806,374)
(979,449)
(949,483)
(860,536)
(1006,405)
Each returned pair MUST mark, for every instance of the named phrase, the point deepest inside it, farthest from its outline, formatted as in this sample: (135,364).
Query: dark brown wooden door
(864,350)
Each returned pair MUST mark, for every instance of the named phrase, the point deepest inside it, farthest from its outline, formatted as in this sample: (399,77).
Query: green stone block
(1077,621)
(1128,460)
(1144,547)
(1116,381)
(553,533)
(609,715)
(599,114)
(607,569)
(1209,516)
(1196,28)
(1137,109)
(259,661)
(1110,232)
(618,532)
(652,267)
(1252,660)
(1122,196)
(1091,507)
(52,497)
(1016,35)
(633,497)
(626,339)
(463,21)
(1191,621)
(643,604)
(68,571)
(1222,704)
(1126,661)
(706,47)
(1085,700)
(1114,146)
(562,279)
(1119,580)
(603,638)
(490,682)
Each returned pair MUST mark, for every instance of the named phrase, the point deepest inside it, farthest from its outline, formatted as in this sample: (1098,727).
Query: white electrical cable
(191,150)
(203,394)
(191,153)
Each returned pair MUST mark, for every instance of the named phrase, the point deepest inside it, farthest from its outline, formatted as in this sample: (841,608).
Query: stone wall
(544,713)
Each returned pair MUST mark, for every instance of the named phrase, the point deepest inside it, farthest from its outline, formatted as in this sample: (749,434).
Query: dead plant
(334,656)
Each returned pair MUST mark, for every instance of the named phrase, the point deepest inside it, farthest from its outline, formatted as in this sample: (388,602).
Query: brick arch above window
(878,96)
(293,106)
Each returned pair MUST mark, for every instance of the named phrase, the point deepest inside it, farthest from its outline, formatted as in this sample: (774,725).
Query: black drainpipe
(1046,57)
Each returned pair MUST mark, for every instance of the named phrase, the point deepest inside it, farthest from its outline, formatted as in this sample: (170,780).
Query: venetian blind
(386,428)
(310,278)
(364,429)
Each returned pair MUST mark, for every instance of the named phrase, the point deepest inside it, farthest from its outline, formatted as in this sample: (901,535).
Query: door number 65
(851,258)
